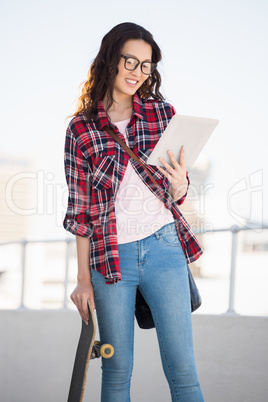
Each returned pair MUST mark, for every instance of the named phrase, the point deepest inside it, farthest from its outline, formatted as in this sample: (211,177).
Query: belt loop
(157,235)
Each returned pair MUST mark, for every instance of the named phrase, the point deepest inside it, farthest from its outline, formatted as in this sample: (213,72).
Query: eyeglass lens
(146,66)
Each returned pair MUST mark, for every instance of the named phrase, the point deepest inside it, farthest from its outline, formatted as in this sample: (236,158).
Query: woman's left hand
(176,175)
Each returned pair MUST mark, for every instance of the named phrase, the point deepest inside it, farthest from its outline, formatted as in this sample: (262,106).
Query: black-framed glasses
(131,63)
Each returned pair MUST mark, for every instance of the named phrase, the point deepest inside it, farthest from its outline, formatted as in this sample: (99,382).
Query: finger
(182,157)
(92,302)
(84,310)
(167,166)
(78,301)
(165,173)
(173,160)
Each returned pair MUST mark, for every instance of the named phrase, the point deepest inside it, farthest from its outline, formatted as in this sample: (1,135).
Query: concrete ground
(37,350)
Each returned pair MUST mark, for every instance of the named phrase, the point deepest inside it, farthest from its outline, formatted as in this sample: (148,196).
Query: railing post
(235,230)
(23,269)
(66,280)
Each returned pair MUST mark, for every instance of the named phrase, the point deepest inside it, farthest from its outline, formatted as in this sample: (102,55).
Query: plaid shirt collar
(138,110)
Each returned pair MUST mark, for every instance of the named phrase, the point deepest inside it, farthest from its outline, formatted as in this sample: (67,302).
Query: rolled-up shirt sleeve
(78,178)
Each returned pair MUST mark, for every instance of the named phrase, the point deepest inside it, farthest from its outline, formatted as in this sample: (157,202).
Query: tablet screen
(192,132)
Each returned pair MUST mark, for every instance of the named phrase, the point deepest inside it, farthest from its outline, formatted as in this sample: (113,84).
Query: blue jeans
(155,265)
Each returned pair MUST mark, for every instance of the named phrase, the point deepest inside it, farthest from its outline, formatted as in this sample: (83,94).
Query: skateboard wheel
(106,351)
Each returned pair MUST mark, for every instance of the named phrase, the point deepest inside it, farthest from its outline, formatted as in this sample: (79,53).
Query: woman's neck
(121,108)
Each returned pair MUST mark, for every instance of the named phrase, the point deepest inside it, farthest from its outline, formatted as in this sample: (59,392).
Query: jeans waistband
(169,227)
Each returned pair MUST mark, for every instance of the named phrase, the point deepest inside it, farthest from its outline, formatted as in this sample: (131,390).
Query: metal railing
(233,229)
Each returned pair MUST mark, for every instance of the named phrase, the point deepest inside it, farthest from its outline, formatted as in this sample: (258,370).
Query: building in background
(17,198)
(17,189)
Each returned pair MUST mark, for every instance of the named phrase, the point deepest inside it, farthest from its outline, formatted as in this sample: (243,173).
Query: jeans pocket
(170,238)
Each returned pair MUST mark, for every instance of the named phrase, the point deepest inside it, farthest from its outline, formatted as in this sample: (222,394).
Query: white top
(139,213)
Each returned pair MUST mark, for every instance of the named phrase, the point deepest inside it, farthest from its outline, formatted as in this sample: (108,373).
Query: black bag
(142,310)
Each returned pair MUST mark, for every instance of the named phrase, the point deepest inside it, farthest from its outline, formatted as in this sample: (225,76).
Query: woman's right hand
(80,296)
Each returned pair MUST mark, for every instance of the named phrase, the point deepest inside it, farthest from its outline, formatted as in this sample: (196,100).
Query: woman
(129,234)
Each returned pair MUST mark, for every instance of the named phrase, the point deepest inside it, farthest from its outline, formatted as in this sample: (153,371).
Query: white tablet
(192,132)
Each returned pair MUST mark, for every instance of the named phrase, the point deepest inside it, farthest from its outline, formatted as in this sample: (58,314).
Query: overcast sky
(214,65)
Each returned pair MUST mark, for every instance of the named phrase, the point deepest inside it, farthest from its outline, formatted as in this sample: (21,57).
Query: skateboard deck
(87,349)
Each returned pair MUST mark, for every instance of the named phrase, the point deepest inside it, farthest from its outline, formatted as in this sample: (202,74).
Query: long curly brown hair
(103,70)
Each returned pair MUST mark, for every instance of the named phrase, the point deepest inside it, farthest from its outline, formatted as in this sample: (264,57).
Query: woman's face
(128,82)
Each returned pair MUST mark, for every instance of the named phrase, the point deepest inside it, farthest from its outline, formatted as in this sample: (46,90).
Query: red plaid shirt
(94,168)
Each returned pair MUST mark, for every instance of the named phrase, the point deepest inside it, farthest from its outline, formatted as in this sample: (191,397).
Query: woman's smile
(131,82)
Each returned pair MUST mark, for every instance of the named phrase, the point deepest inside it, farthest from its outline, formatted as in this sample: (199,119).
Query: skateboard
(87,349)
